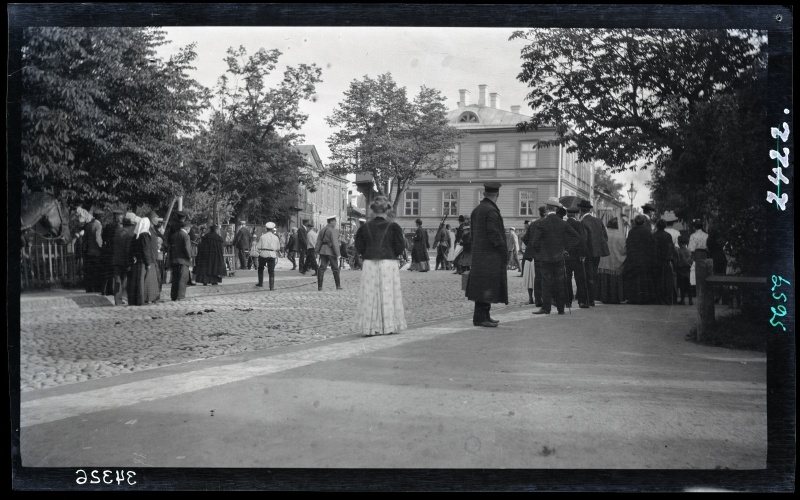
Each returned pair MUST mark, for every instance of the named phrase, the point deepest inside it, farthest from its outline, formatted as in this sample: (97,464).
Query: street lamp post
(631,195)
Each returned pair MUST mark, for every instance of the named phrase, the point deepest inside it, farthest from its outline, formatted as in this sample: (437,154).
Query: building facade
(493,150)
(330,197)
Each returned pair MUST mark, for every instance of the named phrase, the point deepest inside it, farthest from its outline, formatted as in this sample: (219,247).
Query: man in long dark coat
(110,230)
(241,242)
(551,238)
(210,262)
(488,279)
(537,263)
(575,261)
(180,256)
(597,243)
(442,244)
(302,245)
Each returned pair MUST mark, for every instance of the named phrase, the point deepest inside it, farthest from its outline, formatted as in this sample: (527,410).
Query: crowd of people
(651,264)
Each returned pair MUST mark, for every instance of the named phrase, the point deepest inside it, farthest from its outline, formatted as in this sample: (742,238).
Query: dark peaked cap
(492,187)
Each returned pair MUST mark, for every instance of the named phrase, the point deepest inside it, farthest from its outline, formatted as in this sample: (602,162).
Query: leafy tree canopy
(604,182)
(621,95)
(101,114)
(396,140)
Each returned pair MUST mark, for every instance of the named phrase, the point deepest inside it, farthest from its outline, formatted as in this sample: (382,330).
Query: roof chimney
(482,95)
(515,109)
(463,96)
(494,100)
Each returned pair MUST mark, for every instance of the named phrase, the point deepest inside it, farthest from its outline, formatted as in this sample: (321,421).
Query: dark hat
(418,221)
(128,222)
(585,204)
(492,187)
(305,222)
(573,210)
(648,207)
(185,223)
(180,215)
(639,220)
(683,239)
(527,222)
(561,211)
(118,212)
(97,211)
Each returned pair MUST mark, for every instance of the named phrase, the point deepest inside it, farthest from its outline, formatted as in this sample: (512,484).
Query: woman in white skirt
(380,300)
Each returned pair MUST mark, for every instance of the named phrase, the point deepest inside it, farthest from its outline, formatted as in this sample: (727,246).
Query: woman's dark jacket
(379,239)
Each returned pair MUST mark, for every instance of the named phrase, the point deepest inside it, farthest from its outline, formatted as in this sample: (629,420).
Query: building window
(468,117)
(411,203)
(486,159)
(527,202)
(527,154)
(449,202)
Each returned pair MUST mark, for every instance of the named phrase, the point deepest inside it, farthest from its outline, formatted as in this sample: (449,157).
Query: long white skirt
(380,299)
(528,274)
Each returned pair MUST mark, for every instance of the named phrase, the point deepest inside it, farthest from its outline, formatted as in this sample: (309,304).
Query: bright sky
(447,59)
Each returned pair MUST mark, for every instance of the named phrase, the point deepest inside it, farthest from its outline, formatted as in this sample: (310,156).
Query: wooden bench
(706,283)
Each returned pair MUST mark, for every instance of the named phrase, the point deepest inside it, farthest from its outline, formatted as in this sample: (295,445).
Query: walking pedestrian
(522,248)
(551,239)
(441,242)
(649,212)
(512,243)
(670,219)
(575,262)
(120,253)
(180,256)
(608,284)
(110,231)
(380,299)
(311,256)
(92,253)
(487,283)
(419,253)
(528,271)
(268,247)
(637,274)
(291,247)
(665,261)
(210,265)
(327,247)
(537,263)
(451,250)
(302,245)
(241,242)
(597,245)
(144,277)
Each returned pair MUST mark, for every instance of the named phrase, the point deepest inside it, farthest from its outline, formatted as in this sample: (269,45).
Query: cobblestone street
(66,343)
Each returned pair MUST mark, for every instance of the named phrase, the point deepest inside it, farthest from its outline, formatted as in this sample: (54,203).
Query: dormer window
(468,117)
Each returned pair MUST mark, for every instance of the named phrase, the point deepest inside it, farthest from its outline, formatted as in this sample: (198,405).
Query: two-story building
(330,197)
(493,150)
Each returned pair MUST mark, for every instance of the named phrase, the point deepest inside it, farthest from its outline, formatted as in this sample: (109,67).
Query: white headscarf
(142,226)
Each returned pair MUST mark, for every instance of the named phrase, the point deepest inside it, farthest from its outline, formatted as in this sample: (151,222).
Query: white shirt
(312,238)
(697,241)
(268,245)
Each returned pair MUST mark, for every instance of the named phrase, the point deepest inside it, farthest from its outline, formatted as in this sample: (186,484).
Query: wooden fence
(46,263)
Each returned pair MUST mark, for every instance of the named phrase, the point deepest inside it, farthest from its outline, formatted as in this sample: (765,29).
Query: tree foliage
(713,178)
(384,134)
(621,96)
(246,155)
(604,182)
(101,114)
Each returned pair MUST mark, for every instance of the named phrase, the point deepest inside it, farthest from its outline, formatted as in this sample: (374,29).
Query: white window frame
(409,202)
(526,154)
(450,202)
(485,156)
(531,202)
(455,160)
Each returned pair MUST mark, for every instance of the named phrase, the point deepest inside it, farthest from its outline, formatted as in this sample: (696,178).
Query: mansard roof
(484,117)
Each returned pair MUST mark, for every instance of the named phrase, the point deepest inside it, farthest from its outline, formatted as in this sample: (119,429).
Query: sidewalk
(580,391)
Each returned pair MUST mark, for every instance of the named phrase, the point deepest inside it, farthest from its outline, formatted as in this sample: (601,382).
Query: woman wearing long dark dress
(419,254)
(144,287)
(210,262)
(637,274)
(608,282)
(380,300)
(665,265)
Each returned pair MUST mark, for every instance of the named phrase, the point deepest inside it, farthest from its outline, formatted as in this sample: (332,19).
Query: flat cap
(492,187)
